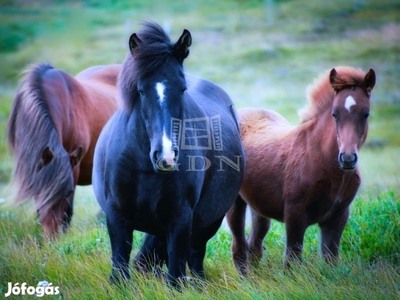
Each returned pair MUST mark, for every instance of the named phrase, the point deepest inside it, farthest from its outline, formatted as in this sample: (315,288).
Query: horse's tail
(30,130)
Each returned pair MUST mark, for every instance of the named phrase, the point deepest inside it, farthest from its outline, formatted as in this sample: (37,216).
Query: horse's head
(350,110)
(161,90)
(54,201)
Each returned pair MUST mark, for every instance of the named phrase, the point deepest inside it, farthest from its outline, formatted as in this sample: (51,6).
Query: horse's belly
(264,203)
(217,196)
(262,186)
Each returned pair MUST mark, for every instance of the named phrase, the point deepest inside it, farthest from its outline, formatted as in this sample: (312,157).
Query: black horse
(169,162)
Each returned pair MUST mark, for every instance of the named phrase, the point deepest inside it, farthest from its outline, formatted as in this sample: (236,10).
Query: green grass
(262,56)
(80,262)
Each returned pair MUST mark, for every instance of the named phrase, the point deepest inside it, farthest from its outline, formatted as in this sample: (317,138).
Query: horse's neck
(320,133)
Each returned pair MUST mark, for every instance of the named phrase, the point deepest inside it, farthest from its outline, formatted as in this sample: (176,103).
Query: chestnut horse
(53,127)
(306,174)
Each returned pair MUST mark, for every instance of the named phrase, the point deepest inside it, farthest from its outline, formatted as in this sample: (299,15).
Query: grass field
(264,54)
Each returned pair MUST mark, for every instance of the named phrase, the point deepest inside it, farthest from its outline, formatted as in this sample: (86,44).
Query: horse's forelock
(154,51)
(347,76)
(51,194)
(321,94)
(31,179)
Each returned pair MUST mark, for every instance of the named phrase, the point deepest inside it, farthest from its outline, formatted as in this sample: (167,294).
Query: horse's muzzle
(348,161)
(166,163)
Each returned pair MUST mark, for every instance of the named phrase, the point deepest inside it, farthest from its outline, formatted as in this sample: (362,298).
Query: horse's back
(107,74)
(256,121)
(98,85)
(208,95)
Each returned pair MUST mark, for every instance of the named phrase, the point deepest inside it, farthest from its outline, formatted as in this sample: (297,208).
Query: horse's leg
(121,236)
(178,241)
(152,254)
(259,229)
(236,219)
(198,244)
(331,233)
(295,225)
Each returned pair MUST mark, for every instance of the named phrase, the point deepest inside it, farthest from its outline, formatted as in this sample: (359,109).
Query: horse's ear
(332,79)
(47,156)
(134,42)
(75,156)
(181,47)
(369,81)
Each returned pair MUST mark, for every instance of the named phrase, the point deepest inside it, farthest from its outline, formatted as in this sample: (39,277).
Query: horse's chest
(334,200)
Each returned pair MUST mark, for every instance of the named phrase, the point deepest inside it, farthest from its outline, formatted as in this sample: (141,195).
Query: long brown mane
(321,93)
(30,130)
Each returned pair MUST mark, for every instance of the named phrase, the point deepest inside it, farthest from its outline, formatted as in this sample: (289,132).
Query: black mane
(156,48)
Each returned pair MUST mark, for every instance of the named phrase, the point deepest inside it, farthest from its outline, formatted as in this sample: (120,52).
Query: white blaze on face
(349,103)
(168,153)
(160,87)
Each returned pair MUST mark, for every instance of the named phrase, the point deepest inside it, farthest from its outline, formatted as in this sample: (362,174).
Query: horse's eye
(334,116)
(183,90)
(366,115)
(140,92)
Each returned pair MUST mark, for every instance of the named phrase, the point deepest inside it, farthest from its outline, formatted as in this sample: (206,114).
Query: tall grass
(79,263)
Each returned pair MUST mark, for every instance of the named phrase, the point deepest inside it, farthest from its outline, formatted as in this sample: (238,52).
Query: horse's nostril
(350,158)
(156,156)
(348,161)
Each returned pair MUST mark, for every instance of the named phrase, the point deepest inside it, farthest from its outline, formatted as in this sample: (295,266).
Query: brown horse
(53,127)
(306,174)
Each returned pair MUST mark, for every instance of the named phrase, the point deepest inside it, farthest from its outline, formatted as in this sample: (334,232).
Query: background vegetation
(264,53)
